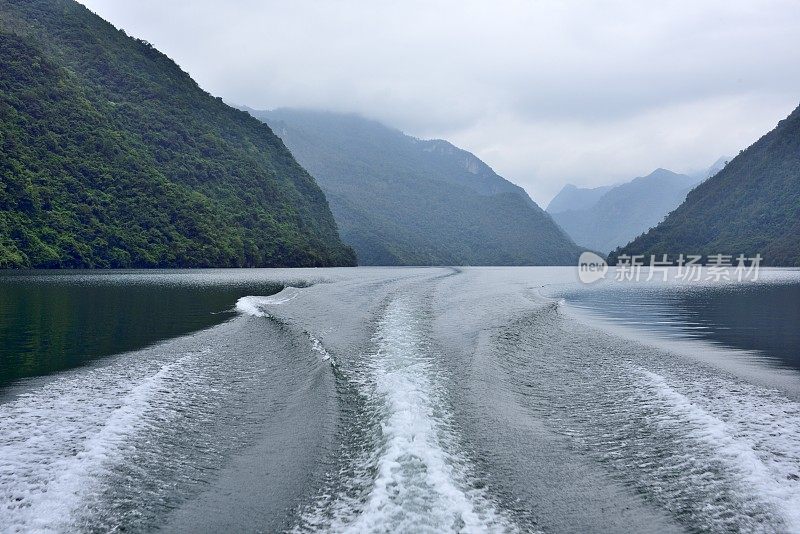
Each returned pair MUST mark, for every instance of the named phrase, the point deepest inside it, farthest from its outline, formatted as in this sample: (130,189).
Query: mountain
(572,198)
(751,206)
(626,210)
(717,166)
(112,156)
(405,201)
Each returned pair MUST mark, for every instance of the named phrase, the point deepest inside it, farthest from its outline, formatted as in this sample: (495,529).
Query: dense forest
(399,200)
(112,156)
(752,206)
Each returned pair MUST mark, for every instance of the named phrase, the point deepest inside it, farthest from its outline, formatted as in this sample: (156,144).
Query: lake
(439,399)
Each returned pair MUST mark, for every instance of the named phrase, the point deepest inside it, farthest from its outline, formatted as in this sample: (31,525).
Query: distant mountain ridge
(479,177)
(399,200)
(112,156)
(621,212)
(576,198)
(751,206)
(715,167)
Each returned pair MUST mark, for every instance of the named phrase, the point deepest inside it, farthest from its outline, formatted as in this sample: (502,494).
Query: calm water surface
(762,317)
(54,321)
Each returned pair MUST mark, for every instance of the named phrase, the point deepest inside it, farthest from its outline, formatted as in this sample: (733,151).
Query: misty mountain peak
(399,200)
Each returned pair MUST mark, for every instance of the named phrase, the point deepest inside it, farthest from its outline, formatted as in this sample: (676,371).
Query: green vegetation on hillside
(111,156)
(405,201)
(752,206)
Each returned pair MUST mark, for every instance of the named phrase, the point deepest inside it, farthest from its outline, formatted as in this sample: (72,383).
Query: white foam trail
(256,306)
(421,483)
(320,349)
(57,442)
(754,433)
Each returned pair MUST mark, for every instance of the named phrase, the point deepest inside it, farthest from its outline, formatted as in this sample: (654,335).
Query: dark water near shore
(55,321)
(403,400)
(753,317)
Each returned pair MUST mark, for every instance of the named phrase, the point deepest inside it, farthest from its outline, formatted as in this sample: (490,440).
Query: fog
(546,92)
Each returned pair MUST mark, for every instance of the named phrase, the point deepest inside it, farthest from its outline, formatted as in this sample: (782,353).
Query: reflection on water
(55,321)
(761,317)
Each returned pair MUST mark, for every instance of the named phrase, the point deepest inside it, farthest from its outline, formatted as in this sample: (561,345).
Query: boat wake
(256,306)
(59,443)
(413,476)
(731,438)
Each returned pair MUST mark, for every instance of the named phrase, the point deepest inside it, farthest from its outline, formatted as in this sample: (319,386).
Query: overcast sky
(546,92)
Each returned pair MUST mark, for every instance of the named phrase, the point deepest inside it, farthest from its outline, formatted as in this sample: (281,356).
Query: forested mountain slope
(399,200)
(112,156)
(751,206)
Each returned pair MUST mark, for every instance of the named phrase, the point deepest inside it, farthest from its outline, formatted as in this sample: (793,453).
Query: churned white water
(319,348)
(419,480)
(752,435)
(59,441)
(256,305)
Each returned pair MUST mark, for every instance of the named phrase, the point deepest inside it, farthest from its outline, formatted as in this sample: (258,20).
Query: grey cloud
(546,92)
